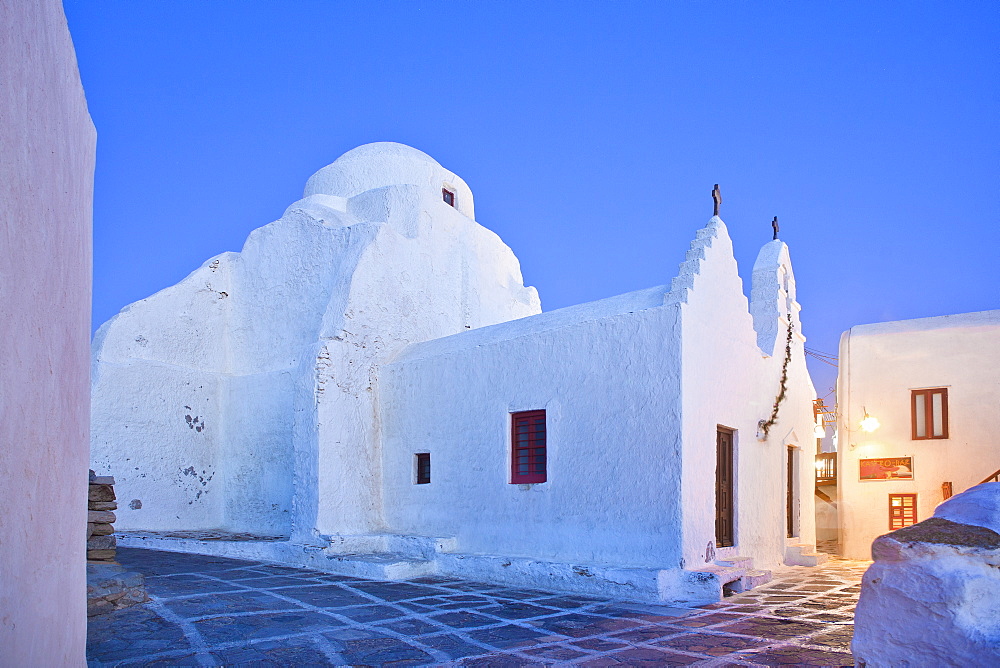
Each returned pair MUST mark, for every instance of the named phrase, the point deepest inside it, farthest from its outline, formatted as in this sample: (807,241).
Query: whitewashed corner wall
(47,150)
(241,396)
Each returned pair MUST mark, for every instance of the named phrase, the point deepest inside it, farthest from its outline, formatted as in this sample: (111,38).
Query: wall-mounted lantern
(869,423)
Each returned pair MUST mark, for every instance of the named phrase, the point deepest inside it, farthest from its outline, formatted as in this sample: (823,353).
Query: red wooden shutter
(929,414)
(902,510)
(527,447)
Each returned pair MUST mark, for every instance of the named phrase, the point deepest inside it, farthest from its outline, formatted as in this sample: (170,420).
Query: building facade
(931,385)
(369,384)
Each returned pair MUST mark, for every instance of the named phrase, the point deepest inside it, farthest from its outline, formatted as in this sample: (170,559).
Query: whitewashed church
(369,388)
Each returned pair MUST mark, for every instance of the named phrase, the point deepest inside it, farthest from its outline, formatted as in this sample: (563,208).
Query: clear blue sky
(591,134)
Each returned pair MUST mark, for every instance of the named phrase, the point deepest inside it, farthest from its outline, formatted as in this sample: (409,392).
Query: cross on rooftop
(774,226)
(717,198)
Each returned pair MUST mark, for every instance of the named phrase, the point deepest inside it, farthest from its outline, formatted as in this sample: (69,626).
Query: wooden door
(724,502)
(790,491)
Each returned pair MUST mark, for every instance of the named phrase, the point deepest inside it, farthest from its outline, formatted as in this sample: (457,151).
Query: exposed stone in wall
(932,597)
(109,586)
(101,505)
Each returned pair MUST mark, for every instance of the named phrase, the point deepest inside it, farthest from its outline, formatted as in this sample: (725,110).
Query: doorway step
(733,575)
(799,554)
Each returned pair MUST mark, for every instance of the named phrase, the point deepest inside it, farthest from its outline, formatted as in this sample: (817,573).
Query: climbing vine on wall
(765,425)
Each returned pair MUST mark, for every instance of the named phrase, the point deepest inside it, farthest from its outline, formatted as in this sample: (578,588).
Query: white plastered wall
(880,365)
(239,397)
(423,277)
(607,375)
(772,303)
(732,358)
(47,148)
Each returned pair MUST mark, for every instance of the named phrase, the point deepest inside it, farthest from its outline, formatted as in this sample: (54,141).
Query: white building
(353,383)
(932,385)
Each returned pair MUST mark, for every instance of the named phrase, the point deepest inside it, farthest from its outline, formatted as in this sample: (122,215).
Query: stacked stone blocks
(109,586)
(100,518)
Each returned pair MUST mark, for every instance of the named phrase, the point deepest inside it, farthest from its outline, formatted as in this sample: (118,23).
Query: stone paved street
(212,611)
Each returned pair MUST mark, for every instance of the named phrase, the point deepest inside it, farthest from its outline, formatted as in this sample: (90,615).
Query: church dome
(382,164)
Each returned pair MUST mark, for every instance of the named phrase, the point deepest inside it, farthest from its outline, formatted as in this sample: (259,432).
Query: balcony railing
(826,468)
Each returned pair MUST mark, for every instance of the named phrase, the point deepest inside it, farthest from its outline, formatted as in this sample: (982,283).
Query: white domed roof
(383,164)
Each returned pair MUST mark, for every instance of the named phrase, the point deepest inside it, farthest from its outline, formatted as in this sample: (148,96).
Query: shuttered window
(902,510)
(929,411)
(528,447)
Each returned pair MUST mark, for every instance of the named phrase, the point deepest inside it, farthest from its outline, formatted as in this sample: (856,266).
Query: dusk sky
(591,134)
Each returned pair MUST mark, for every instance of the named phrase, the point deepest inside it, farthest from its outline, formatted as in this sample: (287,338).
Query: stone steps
(383,566)
(798,554)
(756,578)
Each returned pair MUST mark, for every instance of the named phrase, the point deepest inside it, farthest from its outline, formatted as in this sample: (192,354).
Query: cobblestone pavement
(215,611)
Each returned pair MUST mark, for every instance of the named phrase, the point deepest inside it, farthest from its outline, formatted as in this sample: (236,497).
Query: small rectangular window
(424,468)
(448,196)
(902,510)
(528,447)
(929,413)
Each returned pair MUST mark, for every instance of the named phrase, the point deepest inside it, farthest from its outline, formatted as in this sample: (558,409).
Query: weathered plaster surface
(47,144)
(977,506)
(879,365)
(218,400)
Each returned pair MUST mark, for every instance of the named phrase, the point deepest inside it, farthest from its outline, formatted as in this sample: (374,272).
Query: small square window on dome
(448,196)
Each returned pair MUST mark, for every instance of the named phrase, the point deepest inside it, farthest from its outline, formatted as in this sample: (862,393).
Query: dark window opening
(528,447)
(448,196)
(424,468)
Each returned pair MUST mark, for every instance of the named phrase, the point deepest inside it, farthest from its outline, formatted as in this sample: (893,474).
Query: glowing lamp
(869,423)
(819,431)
